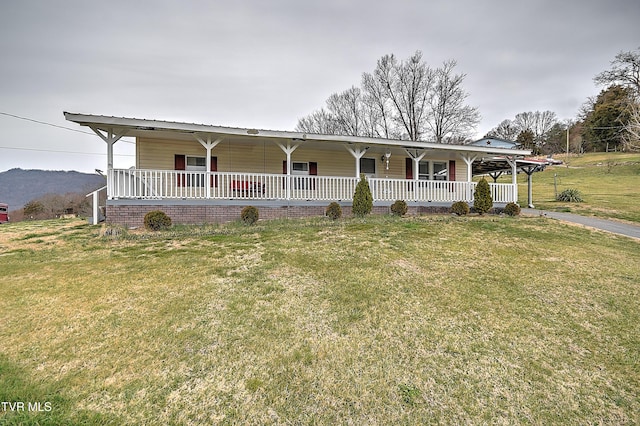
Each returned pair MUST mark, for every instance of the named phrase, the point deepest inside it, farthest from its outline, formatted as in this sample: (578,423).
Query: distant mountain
(18,187)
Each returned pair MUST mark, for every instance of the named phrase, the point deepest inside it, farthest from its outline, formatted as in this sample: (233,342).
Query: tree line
(409,100)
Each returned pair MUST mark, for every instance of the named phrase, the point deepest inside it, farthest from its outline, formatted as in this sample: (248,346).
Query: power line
(63,152)
(52,125)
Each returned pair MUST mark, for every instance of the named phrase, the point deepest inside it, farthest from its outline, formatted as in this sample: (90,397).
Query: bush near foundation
(460,208)
(249,215)
(512,209)
(399,208)
(156,220)
(362,199)
(334,211)
(482,201)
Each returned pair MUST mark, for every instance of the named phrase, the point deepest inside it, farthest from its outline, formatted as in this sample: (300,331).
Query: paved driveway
(592,222)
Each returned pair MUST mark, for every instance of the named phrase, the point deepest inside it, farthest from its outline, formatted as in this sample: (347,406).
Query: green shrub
(362,199)
(249,215)
(460,208)
(570,195)
(482,201)
(399,208)
(156,220)
(512,209)
(334,211)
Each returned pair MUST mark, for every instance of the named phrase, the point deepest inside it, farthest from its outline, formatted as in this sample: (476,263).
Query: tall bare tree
(401,100)
(449,115)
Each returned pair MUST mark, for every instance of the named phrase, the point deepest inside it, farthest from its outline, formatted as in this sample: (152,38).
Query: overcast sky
(264,64)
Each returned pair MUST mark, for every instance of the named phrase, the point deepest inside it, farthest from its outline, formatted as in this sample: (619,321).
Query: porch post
(110,137)
(469,159)
(208,145)
(358,153)
(514,176)
(416,156)
(288,150)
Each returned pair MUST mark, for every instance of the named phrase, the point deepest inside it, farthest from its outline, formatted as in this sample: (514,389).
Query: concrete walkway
(620,228)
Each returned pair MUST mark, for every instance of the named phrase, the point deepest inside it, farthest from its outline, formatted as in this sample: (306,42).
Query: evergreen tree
(362,199)
(482,201)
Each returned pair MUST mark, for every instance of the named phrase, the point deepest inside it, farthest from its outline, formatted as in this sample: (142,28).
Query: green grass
(609,184)
(381,320)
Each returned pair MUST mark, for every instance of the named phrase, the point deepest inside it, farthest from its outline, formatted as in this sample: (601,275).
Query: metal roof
(141,127)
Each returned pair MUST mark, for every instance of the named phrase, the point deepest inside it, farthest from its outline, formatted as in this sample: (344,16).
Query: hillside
(18,186)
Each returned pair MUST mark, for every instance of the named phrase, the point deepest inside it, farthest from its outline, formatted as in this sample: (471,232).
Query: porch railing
(170,184)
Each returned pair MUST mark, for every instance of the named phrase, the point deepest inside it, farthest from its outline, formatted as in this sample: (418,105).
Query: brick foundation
(132,215)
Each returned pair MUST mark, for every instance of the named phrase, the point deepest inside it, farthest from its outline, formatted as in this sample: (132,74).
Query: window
(433,170)
(299,168)
(368,166)
(196,164)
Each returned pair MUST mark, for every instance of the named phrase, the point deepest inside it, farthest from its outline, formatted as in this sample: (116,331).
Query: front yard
(435,319)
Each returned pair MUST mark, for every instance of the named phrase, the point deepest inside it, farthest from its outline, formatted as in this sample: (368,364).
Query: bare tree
(400,100)
(631,137)
(625,71)
(450,117)
(506,130)
(320,122)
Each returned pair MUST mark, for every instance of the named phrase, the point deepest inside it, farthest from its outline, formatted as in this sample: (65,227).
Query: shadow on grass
(27,401)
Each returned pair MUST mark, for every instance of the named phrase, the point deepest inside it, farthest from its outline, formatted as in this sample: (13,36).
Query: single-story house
(199,173)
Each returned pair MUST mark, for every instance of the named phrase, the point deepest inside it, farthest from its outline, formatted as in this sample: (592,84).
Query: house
(199,173)
(496,143)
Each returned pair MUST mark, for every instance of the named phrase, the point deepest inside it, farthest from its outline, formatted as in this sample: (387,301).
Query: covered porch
(180,164)
(170,184)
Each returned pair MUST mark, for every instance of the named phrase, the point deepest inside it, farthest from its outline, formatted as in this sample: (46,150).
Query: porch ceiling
(136,127)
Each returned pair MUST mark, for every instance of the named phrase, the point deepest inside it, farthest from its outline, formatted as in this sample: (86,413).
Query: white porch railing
(170,184)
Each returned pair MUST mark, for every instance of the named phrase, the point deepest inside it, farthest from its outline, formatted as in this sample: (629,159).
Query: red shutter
(409,172)
(214,168)
(409,167)
(180,163)
(284,171)
(452,170)
(313,171)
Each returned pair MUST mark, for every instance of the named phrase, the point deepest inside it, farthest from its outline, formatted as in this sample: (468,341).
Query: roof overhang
(143,127)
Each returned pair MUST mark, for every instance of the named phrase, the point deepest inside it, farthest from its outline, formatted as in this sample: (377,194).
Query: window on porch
(433,170)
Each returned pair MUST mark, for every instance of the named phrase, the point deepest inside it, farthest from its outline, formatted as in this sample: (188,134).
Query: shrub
(399,208)
(570,195)
(249,215)
(482,201)
(334,211)
(156,220)
(362,199)
(512,209)
(460,208)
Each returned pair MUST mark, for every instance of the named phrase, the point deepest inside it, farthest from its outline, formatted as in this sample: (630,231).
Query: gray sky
(264,64)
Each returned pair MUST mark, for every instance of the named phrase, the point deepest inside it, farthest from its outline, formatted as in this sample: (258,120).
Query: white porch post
(110,138)
(514,176)
(416,156)
(357,152)
(288,150)
(208,145)
(469,159)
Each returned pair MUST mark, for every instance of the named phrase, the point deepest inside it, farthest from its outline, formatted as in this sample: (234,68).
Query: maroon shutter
(452,169)
(409,167)
(214,168)
(313,171)
(180,163)
(284,171)
(409,172)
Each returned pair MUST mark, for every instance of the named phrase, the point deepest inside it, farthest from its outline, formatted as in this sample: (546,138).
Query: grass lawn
(382,321)
(609,184)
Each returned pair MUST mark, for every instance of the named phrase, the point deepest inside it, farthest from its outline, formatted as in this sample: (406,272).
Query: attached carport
(497,166)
